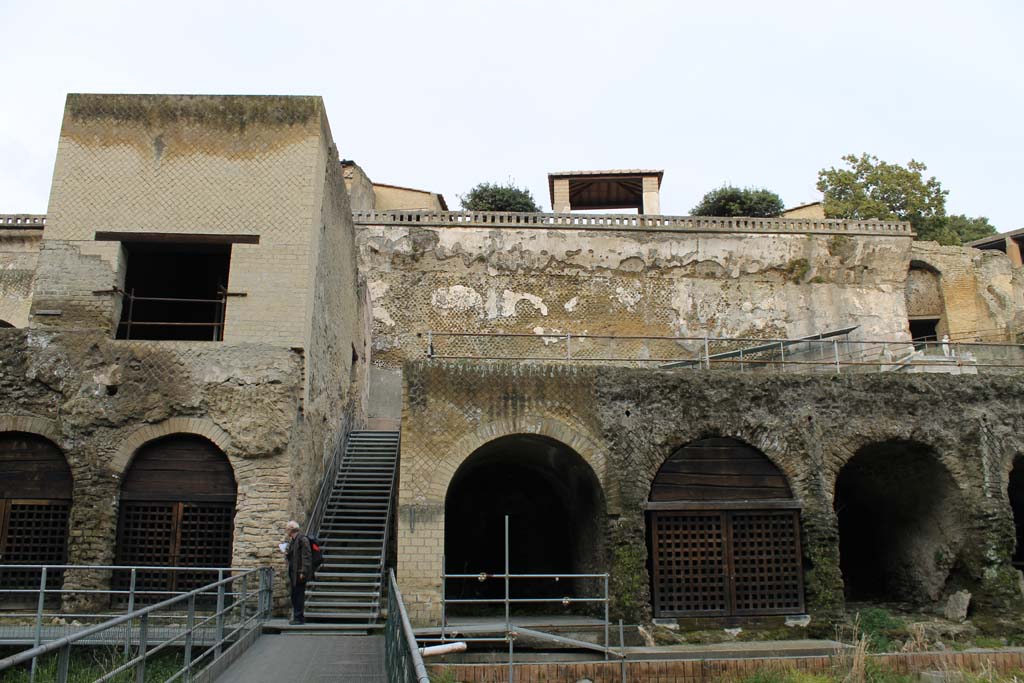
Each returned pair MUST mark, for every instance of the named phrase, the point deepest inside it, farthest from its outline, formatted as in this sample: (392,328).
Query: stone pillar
(560,201)
(420,551)
(1013,251)
(652,197)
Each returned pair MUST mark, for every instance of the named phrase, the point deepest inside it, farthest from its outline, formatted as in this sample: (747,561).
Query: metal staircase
(347,590)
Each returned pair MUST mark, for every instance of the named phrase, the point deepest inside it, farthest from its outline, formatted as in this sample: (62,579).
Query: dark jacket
(300,559)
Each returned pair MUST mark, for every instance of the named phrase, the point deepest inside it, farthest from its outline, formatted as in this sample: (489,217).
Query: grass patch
(89,663)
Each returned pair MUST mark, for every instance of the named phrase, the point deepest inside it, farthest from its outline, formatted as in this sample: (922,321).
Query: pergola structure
(606,190)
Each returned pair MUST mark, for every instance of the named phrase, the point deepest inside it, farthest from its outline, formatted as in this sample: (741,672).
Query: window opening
(35,503)
(174,291)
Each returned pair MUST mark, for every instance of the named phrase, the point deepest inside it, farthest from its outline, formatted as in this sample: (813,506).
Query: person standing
(300,570)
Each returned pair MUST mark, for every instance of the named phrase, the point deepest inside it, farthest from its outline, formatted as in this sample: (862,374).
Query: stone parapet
(630,222)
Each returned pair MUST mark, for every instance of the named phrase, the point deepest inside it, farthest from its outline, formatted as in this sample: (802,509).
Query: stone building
(645,395)
(192,345)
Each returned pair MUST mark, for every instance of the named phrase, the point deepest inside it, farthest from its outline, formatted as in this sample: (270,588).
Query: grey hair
(292,525)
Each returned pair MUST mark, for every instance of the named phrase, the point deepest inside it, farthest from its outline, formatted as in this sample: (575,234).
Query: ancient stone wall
(19,255)
(656,281)
(99,400)
(626,422)
(982,293)
(179,165)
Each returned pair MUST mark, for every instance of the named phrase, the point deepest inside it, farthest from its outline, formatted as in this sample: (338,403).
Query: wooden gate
(177,509)
(35,502)
(724,534)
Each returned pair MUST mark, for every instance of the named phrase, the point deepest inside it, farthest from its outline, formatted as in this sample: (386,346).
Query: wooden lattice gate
(35,502)
(724,534)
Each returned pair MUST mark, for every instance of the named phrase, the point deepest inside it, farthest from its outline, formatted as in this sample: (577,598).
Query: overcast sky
(442,95)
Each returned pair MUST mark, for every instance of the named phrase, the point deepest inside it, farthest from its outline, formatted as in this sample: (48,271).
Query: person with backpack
(300,569)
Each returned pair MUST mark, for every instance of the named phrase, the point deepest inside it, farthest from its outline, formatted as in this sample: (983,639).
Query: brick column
(560,202)
(652,196)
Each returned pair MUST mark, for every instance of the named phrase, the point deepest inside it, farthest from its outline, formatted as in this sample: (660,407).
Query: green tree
(873,189)
(495,197)
(968,229)
(735,201)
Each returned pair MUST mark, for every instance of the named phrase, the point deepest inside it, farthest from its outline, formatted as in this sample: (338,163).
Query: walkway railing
(830,353)
(403,659)
(626,222)
(204,623)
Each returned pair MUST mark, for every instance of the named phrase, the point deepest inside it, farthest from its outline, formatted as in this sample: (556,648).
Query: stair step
(321,575)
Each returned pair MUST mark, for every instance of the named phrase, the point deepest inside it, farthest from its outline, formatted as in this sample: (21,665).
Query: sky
(443,95)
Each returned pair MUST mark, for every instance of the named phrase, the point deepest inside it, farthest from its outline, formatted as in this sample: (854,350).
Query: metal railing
(404,662)
(204,636)
(644,222)
(819,353)
(388,521)
(316,517)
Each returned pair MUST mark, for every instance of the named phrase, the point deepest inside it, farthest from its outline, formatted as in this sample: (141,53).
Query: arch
(556,513)
(35,504)
(1015,492)
(177,508)
(573,437)
(925,303)
(722,516)
(5,324)
(175,425)
(901,523)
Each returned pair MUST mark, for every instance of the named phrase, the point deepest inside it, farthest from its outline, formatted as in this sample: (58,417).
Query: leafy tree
(966,229)
(735,201)
(495,197)
(874,189)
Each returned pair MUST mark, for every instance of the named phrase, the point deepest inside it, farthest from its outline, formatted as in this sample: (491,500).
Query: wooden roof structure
(600,190)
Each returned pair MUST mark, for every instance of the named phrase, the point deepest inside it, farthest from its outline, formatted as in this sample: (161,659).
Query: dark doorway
(177,509)
(1016,493)
(555,509)
(724,535)
(924,330)
(900,524)
(174,291)
(35,501)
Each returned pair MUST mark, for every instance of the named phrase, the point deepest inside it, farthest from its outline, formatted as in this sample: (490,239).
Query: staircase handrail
(316,517)
(387,523)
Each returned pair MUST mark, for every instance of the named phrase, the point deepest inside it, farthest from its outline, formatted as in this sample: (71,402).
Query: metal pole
(39,623)
(131,608)
(131,312)
(741,360)
(622,648)
(63,660)
(782,355)
(140,668)
(190,625)
(606,641)
(835,350)
(220,614)
(508,615)
(444,596)
(245,596)
(707,353)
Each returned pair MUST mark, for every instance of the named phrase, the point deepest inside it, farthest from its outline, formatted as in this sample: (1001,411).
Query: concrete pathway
(306,659)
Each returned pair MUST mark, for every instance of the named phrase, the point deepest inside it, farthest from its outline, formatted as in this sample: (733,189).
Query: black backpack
(316,548)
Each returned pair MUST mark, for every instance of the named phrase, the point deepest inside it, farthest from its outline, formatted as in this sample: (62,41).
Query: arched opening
(724,534)
(1016,494)
(35,502)
(177,510)
(900,524)
(555,508)
(926,308)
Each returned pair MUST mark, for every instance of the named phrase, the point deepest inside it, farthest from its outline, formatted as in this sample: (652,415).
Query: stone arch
(555,511)
(33,425)
(118,465)
(900,512)
(573,437)
(722,515)
(176,507)
(925,302)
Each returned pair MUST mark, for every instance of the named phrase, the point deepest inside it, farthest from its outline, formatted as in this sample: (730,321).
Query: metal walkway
(302,659)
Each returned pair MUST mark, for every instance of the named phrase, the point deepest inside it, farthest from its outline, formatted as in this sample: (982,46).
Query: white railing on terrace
(22,220)
(831,352)
(656,223)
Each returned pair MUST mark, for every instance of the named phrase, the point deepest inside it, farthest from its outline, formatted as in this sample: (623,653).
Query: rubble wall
(19,256)
(626,422)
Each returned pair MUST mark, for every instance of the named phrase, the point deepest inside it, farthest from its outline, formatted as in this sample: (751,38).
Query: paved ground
(303,659)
